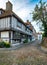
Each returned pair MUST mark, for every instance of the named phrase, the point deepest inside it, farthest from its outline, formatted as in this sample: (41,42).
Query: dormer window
(1,11)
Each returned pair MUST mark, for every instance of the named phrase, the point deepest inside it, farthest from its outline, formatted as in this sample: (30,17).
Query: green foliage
(40,14)
(25,41)
(4,44)
(7,45)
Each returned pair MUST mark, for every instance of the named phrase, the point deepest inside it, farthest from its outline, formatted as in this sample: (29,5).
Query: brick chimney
(28,22)
(9,6)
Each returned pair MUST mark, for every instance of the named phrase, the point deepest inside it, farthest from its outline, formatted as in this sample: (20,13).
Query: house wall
(11,37)
(16,24)
(0,12)
(23,27)
(4,23)
(5,36)
(20,26)
(39,36)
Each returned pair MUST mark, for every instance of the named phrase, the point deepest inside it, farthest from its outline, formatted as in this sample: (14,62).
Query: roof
(8,13)
(39,33)
(2,9)
(5,14)
(29,24)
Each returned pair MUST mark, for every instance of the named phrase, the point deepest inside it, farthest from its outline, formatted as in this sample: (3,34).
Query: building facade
(34,34)
(12,27)
(39,36)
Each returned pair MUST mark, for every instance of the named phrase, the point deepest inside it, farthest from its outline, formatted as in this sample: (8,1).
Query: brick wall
(44,41)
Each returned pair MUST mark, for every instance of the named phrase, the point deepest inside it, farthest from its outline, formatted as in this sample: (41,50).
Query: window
(0,12)
(19,24)
(26,28)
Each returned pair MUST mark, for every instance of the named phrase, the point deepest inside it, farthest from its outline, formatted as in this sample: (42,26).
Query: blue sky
(23,8)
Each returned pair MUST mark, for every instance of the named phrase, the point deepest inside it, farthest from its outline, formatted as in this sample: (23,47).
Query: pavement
(35,43)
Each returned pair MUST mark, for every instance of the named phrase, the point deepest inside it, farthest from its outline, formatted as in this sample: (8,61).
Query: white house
(12,27)
(39,36)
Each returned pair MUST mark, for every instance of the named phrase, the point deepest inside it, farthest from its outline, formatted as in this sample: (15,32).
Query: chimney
(9,6)
(27,20)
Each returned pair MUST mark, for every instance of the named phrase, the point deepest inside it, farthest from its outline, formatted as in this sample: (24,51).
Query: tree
(40,15)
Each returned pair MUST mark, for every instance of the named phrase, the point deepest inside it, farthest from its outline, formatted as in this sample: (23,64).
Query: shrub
(7,44)
(25,41)
(4,44)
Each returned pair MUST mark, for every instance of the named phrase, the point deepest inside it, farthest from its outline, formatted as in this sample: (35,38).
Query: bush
(7,45)
(4,44)
(25,41)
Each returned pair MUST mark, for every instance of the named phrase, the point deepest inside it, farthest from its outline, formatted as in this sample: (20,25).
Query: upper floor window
(26,28)
(19,24)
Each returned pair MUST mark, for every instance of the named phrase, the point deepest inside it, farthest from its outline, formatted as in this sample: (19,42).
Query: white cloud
(2,3)
(20,7)
(23,9)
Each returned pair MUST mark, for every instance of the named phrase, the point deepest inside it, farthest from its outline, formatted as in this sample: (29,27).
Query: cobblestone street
(25,55)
